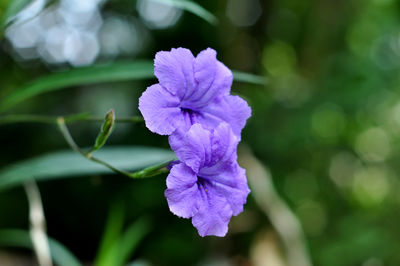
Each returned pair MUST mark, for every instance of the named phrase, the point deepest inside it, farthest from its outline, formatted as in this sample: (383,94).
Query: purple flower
(207,185)
(192,104)
(191,90)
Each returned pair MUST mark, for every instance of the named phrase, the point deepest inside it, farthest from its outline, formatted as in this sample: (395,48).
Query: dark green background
(327,126)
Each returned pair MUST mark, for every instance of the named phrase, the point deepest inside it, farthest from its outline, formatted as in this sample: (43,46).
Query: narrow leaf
(191,7)
(121,250)
(112,232)
(70,164)
(249,78)
(81,76)
(118,71)
(21,239)
(131,239)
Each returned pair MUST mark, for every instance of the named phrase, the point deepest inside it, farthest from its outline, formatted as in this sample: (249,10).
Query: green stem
(147,172)
(10,119)
(67,136)
(151,171)
(61,123)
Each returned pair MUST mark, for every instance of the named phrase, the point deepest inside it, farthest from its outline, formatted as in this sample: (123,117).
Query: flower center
(191,115)
(203,183)
(187,110)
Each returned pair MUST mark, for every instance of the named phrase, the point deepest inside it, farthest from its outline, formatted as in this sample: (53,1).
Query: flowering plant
(192,104)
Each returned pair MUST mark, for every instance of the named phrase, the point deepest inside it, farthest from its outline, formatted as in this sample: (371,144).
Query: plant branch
(151,171)
(148,172)
(67,136)
(85,117)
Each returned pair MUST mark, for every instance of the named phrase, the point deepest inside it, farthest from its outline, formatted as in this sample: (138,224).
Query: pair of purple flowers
(192,104)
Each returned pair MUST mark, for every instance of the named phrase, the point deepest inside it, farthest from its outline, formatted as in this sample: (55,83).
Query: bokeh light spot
(342,168)
(243,13)
(373,262)
(65,32)
(371,186)
(361,35)
(385,52)
(291,90)
(373,145)
(313,217)
(158,15)
(301,185)
(328,121)
(279,59)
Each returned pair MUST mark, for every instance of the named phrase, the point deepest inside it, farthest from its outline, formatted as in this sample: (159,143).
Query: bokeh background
(321,149)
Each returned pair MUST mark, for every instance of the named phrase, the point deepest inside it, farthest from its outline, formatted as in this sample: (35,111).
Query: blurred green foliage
(327,125)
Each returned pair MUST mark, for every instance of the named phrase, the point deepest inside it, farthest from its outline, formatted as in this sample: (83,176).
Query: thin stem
(25,118)
(67,136)
(133,119)
(148,172)
(151,171)
(10,119)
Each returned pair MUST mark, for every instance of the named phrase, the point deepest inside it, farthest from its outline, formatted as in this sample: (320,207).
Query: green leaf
(105,131)
(61,255)
(21,239)
(191,7)
(116,247)
(249,78)
(69,164)
(81,76)
(122,248)
(131,239)
(14,7)
(118,71)
(112,232)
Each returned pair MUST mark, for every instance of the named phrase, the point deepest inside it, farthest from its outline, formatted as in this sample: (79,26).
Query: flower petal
(224,145)
(232,183)
(174,70)
(192,147)
(214,211)
(160,110)
(231,109)
(182,191)
(213,79)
